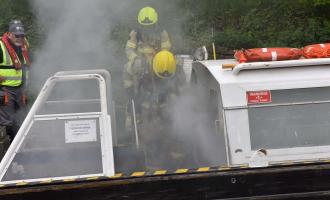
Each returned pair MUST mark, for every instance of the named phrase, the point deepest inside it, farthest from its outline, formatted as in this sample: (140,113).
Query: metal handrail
(41,100)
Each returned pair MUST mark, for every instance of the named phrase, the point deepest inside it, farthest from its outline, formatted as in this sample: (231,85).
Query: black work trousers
(13,112)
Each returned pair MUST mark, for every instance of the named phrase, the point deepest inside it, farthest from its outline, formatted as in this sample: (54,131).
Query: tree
(19,9)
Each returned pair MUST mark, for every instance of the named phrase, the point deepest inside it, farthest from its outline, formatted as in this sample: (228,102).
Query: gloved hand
(164,35)
(2,78)
(133,35)
(200,53)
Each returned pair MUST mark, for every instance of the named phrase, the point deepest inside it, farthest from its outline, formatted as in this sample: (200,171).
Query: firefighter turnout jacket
(142,49)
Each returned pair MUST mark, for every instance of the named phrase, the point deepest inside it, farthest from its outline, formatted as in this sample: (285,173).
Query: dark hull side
(311,181)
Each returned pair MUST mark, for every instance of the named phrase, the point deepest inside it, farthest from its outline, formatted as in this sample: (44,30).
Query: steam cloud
(77,32)
(77,36)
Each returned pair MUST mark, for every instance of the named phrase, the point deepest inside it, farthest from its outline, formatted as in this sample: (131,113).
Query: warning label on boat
(80,131)
(255,97)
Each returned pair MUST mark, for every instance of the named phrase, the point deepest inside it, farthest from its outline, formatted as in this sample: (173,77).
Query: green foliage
(19,9)
(230,24)
(316,3)
(259,23)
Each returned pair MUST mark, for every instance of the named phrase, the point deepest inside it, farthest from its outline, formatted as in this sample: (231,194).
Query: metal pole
(214,52)
(114,124)
(135,126)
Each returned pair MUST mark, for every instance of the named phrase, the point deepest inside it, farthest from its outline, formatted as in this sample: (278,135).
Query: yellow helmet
(147,16)
(164,64)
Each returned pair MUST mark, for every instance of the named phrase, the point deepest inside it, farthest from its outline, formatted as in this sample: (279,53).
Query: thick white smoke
(76,33)
(78,36)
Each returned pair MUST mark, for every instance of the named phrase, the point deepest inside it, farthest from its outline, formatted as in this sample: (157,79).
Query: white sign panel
(80,131)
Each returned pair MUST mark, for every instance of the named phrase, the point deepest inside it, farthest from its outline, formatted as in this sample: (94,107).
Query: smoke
(195,116)
(78,34)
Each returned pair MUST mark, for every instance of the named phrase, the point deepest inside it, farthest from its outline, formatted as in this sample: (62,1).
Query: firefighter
(14,61)
(152,80)
(141,47)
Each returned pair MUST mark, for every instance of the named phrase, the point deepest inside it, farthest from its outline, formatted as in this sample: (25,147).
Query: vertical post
(114,124)
(214,53)
(135,126)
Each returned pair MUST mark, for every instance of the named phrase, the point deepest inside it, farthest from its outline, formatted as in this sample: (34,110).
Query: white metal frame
(104,119)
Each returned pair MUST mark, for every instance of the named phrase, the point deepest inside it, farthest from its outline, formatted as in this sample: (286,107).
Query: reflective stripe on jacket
(13,77)
(136,48)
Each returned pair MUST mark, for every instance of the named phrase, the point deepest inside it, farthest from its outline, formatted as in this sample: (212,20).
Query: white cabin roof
(235,85)
(227,76)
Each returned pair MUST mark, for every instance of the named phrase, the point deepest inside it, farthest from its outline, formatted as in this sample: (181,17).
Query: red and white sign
(255,97)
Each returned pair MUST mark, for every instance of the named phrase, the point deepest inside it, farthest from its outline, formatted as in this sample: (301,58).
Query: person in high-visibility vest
(14,63)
